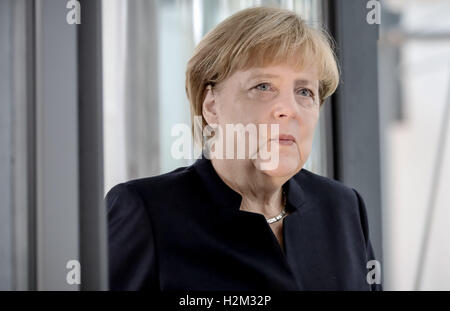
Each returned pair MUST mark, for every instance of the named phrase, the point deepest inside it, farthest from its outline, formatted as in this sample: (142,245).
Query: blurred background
(86,106)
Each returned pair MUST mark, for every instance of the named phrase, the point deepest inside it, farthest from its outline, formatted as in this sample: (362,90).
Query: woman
(229,223)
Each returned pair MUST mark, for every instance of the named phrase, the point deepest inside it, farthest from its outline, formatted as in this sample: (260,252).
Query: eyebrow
(263,75)
(271,75)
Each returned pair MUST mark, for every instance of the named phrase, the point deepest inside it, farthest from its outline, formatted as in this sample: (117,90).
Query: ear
(209,107)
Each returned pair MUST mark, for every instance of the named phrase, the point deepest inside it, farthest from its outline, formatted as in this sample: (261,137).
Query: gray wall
(57,145)
(51,149)
(6,148)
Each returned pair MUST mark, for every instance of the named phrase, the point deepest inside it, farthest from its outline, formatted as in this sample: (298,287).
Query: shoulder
(326,191)
(334,199)
(310,181)
(144,191)
(131,205)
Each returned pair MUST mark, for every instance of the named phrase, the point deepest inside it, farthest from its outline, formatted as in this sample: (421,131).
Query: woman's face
(277,94)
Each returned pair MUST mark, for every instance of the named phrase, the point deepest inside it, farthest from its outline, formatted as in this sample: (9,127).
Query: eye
(263,87)
(305,92)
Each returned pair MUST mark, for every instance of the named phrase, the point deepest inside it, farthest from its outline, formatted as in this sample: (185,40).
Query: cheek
(226,110)
(239,110)
(308,123)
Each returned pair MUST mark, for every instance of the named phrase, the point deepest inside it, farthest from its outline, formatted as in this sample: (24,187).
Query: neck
(261,193)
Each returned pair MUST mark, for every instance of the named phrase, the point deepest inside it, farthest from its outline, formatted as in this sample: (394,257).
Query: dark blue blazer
(184,231)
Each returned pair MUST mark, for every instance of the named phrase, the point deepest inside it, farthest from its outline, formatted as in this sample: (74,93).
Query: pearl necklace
(280,215)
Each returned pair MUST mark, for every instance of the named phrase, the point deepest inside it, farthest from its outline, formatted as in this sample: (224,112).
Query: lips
(285,139)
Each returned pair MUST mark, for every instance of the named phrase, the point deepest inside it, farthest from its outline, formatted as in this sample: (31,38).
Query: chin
(287,166)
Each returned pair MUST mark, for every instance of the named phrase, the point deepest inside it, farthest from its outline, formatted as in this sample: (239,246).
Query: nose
(286,106)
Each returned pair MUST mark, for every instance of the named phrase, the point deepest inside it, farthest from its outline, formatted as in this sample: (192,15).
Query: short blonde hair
(257,37)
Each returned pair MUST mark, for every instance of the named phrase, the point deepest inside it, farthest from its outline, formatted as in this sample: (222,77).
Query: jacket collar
(222,195)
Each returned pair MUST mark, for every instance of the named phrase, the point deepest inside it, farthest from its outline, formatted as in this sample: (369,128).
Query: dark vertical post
(93,250)
(356,108)
(31,141)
